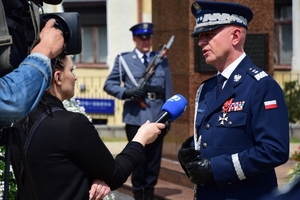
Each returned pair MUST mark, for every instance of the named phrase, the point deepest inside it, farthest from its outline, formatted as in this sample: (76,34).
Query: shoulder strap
(5,40)
(127,70)
(32,132)
(35,126)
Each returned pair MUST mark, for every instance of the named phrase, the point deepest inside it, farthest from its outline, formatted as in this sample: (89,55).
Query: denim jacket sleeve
(21,89)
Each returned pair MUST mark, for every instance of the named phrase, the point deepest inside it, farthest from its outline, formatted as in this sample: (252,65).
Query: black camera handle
(11,136)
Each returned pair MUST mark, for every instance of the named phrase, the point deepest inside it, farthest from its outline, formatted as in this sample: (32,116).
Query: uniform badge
(237,106)
(237,77)
(270,104)
(225,110)
(145,26)
(197,6)
(223,118)
(133,56)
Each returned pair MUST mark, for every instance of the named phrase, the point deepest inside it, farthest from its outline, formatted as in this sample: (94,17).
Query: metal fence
(282,77)
(91,87)
(99,106)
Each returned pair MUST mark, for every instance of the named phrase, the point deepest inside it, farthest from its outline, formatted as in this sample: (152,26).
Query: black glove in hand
(200,171)
(187,155)
(134,93)
(187,152)
(188,142)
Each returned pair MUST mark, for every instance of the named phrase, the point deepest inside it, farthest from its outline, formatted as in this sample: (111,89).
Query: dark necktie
(220,81)
(145,60)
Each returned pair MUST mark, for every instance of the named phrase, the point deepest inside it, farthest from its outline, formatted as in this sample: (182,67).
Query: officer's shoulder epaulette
(124,53)
(257,73)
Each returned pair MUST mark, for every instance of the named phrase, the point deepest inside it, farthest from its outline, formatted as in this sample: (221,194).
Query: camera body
(69,24)
(24,34)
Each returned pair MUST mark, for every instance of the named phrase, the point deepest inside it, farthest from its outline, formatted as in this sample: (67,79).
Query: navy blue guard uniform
(290,191)
(159,89)
(244,133)
(252,139)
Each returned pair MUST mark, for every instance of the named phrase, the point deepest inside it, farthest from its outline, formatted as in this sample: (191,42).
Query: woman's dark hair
(58,64)
(28,121)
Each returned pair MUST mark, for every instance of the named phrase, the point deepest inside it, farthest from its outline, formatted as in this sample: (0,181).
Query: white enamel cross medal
(222,119)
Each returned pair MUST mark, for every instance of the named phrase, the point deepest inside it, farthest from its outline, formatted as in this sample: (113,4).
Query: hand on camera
(199,171)
(134,93)
(51,41)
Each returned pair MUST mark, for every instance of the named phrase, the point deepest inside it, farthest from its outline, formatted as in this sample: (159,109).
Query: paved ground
(281,171)
(115,195)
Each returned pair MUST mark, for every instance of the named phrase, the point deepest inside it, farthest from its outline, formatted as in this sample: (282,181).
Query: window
(94,45)
(93,31)
(283,44)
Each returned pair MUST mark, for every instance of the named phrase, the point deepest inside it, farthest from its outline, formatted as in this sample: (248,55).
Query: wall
(121,15)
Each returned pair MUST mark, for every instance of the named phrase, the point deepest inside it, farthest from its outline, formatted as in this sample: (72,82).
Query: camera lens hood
(68,23)
(60,24)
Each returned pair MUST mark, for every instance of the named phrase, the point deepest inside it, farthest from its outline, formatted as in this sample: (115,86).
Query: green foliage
(292,97)
(295,172)
(294,140)
(12,181)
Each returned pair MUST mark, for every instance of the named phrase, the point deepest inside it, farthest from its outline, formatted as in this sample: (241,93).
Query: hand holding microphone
(148,132)
(171,110)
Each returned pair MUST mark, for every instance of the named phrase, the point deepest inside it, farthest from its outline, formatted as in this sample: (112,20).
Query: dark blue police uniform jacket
(133,114)
(290,191)
(245,145)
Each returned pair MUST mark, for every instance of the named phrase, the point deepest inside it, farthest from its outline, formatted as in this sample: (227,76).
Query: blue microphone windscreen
(175,106)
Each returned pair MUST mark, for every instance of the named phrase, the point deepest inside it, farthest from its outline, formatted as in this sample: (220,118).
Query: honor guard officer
(290,191)
(241,130)
(129,68)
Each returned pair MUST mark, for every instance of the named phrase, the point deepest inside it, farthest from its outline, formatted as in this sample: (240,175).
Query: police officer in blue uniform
(241,130)
(290,191)
(129,68)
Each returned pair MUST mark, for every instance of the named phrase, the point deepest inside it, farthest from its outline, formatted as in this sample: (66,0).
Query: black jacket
(66,155)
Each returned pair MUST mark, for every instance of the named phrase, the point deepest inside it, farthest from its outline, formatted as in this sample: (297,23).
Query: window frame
(277,25)
(87,10)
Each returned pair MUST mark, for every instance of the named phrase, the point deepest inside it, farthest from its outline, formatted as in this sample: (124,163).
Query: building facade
(105,33)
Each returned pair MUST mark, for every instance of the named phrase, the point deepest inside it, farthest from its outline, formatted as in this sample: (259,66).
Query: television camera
(20,25)
(24,20)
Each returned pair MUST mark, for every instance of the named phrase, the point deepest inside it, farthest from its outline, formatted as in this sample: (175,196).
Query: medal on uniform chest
(225,110)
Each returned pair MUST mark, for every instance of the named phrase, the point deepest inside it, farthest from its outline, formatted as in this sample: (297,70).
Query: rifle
(151,68)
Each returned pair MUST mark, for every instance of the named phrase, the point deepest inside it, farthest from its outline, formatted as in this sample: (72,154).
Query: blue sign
(98,106)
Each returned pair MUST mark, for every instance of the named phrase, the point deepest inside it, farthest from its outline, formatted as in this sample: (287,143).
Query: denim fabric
(21,90)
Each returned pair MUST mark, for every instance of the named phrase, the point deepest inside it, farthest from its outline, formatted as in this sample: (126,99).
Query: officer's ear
(236,34)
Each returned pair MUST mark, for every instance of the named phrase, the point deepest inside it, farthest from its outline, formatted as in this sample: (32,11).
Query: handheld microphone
(172,109)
